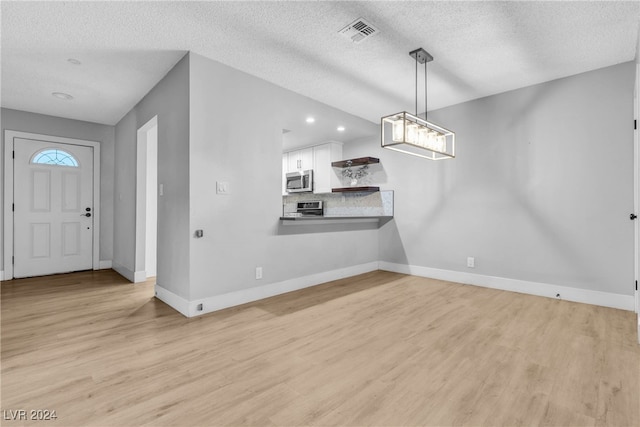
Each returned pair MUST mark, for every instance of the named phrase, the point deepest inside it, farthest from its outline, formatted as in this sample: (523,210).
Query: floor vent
(359,30)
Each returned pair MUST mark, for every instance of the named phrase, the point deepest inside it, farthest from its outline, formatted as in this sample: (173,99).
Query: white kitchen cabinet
(300,160)
(318,158)
(285,169)
(324,177)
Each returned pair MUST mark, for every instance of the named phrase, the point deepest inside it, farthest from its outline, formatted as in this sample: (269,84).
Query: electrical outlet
(471,262)
(258,273)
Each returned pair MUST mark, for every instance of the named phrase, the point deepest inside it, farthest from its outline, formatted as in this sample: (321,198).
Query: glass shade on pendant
(413,135)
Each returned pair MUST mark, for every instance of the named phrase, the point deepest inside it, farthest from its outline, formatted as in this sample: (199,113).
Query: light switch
(161,189)
(222,187)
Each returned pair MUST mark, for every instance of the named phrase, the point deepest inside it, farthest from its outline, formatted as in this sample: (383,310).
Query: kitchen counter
(338,206)
(319,220)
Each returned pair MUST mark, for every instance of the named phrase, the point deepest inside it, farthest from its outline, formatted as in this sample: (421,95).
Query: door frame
(140,250)
(636,184)
(636,189)
(8,237)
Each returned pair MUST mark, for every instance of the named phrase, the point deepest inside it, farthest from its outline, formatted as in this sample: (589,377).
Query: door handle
(633,216)
(86,214)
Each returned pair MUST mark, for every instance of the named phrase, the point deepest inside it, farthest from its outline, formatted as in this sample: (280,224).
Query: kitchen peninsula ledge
(340,208)
(320,220)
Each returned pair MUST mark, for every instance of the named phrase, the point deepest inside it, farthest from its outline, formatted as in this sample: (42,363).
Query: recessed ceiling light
(310,120)
(340,128)
(74,61)
(62,95)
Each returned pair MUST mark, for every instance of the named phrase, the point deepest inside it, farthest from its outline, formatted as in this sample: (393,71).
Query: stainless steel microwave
(299,182)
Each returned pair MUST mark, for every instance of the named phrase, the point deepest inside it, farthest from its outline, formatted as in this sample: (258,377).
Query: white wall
(236,136)
(38,123)
(169,100)
(541,188)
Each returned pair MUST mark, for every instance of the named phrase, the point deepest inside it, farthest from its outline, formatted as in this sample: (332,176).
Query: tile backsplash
(379,203)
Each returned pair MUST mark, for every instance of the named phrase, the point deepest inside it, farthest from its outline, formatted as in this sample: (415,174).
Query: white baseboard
(244,296)
(132,276)
(123,271)
(231,299)
(605,299)
(139,276)
(172,300)
(105,264)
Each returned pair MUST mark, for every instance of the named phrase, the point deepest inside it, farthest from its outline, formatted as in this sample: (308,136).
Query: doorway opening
(147,201)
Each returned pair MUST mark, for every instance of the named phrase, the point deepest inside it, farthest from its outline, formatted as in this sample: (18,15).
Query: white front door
(53,208)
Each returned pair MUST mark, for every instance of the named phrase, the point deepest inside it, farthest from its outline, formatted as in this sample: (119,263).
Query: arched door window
(52,156)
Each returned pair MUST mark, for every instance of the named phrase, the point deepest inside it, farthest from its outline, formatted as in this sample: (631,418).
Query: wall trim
(232,299)
(139,276)
(130,275)
(605,299)
(123,271)
(244,296)
(1,275)
(105,264)
(140,237)
(172,300)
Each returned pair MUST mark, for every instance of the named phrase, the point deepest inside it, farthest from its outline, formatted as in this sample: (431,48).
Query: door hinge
(13,154)
(13,259)
(13,207)
(636,285)
(635,124)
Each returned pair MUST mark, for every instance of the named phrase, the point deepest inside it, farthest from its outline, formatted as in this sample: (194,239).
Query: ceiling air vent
(358,31)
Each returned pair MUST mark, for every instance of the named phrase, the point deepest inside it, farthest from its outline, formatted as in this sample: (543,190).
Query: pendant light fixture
(411,134)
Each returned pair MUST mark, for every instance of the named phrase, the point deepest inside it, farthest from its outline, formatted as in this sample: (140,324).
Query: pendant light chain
(425,90)
(416,85)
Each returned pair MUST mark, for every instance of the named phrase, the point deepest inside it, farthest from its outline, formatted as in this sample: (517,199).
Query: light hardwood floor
(376,349)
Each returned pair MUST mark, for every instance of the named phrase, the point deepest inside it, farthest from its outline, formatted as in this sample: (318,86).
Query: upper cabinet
(324,178)
(300,160)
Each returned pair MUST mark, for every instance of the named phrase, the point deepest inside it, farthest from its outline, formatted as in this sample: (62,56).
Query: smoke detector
(359,30)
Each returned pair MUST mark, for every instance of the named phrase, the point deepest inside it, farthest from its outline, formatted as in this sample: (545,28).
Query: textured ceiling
(480,48)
